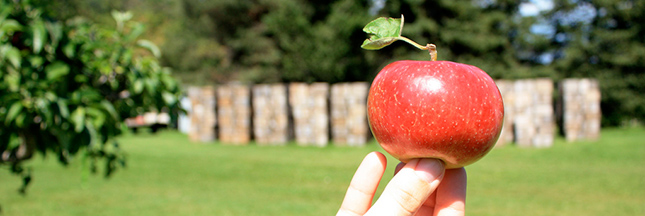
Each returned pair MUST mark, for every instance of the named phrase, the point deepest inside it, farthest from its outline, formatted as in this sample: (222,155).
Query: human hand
(420,187)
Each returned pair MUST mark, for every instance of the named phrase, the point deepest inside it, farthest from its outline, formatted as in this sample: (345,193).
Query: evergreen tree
(604,40)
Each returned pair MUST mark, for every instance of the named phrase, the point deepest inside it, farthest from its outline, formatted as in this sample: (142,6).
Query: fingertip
(377,156)
(410,187)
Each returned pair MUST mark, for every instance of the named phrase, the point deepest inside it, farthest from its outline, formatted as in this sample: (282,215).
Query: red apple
(435,109)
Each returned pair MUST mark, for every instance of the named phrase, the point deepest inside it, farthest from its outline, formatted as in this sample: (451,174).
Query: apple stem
(432,49)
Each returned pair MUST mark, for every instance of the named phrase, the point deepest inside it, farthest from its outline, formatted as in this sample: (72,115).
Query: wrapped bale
(580,109)
(202,116)
(533,120)
(234,113)
(349,113)
(270,114)
(309,106)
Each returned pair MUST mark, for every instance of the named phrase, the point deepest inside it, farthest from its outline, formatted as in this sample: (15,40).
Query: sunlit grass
(168,175)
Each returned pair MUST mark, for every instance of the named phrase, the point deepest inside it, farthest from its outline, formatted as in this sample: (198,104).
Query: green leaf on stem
(383,31)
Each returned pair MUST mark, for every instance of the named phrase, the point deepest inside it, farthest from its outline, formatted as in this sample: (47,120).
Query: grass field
(167,175)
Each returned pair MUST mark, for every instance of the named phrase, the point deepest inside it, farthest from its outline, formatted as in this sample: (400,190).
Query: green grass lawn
(168,175)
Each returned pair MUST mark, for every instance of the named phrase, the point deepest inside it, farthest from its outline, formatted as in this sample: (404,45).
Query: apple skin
(435,109)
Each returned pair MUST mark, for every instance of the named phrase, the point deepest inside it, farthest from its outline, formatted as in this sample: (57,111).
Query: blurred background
(206,42)
(77,75)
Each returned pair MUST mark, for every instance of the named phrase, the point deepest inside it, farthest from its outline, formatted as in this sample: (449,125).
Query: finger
(409,188)
(428,206)
(451,194)
(362,188)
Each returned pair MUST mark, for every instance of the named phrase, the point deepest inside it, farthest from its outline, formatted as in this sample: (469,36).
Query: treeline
(265,41)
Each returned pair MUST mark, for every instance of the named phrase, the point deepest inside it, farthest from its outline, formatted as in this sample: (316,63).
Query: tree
(67,87)
(273,41)
(603,40)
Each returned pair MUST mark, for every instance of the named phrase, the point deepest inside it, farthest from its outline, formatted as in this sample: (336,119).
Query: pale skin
(420,187)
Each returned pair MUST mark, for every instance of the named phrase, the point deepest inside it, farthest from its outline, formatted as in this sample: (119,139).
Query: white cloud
(529,9)
(543,4)
(534,7)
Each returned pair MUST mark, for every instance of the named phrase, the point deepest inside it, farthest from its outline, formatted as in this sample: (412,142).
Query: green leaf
(149,45)
(78,118)
(56,70)
(137,88)
(136,29)
(383,31)
(36,61)
(14,110)
(43,107)
(14,141)
(69,50)
(55,32)
(168,81)
(12,80)
(38,28)
(9,26)
(93,134)
(96,115)
(13,54)
(62,107)
(121,16)
(110,108)
(20,120)
(168,97)
(151,85)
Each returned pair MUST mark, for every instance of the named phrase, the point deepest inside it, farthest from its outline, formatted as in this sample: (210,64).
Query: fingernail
(429,169)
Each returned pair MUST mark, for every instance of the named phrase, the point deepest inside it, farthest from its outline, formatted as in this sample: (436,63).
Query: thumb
(409,188)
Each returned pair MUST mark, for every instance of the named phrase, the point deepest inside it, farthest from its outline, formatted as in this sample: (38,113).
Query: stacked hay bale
(202,114)
(349,113)
(309,107)
(534,122)
(580,104)
(270,114)
(234,113)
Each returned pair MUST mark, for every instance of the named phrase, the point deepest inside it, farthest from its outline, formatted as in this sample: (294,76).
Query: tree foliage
(275,41)
(67,87)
